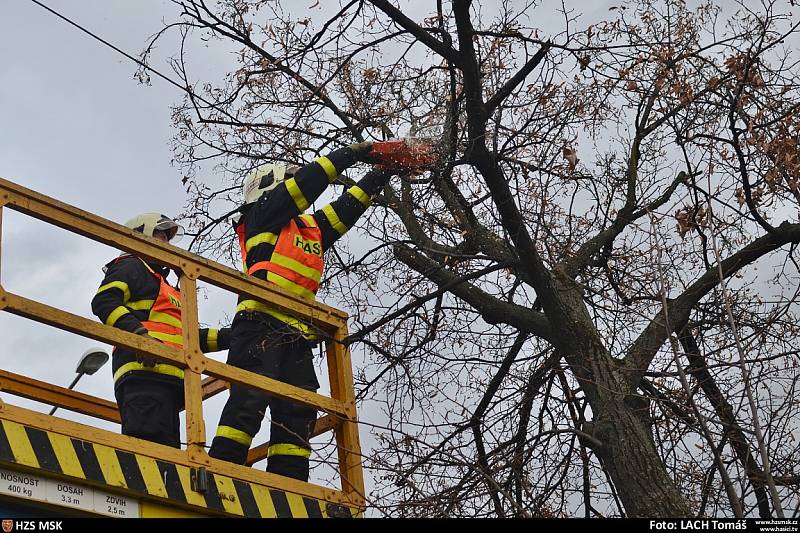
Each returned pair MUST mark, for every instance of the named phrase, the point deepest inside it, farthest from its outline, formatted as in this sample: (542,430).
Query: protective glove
(146,360)
(361,150)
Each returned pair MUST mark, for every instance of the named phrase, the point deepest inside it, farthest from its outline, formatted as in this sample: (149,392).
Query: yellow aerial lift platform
(55,464)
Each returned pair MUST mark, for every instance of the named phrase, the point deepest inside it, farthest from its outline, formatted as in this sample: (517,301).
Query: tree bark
(632,462)
(627,449)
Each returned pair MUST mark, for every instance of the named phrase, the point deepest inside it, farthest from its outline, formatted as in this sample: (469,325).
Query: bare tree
(589,307)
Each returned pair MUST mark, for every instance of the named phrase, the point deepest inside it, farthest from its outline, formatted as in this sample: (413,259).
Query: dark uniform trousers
(279,352)
(150,407)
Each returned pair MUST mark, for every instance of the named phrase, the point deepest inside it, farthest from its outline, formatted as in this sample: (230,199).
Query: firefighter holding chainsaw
(281,244)
(134,296)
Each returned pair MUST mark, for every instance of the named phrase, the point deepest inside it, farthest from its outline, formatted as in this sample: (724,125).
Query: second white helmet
(148,223)
(261,180)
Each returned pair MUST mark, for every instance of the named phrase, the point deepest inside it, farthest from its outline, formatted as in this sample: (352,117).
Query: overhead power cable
(166,78)
(144,65)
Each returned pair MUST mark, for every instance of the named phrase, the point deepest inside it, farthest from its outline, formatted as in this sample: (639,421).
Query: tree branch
(644,348)
(492,310)
(477,415)
(724,410)
(446,287)
(479,155)
(417,31)
(223,28)
(606,237)
(518,78)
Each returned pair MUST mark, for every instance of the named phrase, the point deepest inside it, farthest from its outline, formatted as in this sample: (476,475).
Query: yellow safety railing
(339,408)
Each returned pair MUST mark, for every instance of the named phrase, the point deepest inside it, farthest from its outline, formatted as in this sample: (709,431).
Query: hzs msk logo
(8,525)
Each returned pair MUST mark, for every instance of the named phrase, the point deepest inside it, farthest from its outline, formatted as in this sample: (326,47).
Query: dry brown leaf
(571,156)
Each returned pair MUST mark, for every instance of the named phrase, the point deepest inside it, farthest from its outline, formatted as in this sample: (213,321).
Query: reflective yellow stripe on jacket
(290,285)
(121,285)
(140,305)
(297,195)
(261,238)
(334,220)
(159,368)
(359,194)
(328,167)
(309,221)
(175,339)
(211,339)
(297,266)
(116,314)
(253,305)
(164,318)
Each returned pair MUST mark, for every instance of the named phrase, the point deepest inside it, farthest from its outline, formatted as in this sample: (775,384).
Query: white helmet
(149,223)
(264,179)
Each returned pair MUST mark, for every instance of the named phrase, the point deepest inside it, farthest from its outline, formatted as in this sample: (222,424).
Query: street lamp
(91,361)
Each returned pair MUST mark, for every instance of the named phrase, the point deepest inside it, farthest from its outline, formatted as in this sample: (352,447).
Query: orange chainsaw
(409,154)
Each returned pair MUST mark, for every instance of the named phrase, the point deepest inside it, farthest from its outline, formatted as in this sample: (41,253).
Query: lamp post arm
(74,382)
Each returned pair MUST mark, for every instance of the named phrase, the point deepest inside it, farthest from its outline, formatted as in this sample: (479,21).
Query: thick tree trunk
(626,444)
(632,461)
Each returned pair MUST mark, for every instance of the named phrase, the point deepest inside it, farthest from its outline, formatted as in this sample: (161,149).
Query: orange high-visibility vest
(296,264)
(163,323)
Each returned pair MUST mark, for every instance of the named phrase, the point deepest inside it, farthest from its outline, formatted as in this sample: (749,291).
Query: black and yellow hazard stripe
(67,456)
